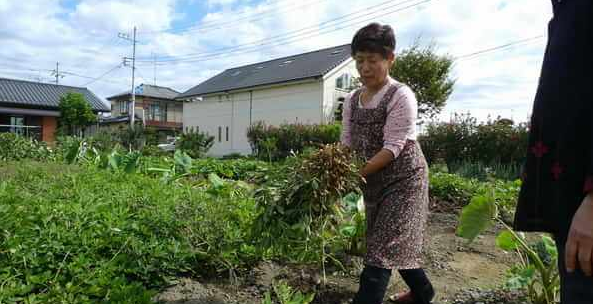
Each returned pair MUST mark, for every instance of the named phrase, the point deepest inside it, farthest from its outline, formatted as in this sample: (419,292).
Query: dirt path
(458,271)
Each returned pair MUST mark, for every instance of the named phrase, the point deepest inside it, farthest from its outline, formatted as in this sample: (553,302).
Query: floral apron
(396,198)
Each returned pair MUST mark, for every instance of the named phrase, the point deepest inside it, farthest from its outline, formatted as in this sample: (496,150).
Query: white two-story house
(305,88)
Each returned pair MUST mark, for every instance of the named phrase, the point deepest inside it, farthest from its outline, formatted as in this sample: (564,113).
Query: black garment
(373,285)
(559,165)
(576,287)
(374,281)
(419,284)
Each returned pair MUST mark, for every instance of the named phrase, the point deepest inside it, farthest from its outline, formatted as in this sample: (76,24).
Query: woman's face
(373,68)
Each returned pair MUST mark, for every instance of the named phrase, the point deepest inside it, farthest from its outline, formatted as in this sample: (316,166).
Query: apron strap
(389,95)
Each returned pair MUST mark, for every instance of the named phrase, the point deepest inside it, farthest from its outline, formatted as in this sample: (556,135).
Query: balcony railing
(27,131)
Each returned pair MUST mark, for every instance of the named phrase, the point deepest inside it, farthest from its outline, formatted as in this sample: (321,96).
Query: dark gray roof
(303,66)
(149,91)
(43,95)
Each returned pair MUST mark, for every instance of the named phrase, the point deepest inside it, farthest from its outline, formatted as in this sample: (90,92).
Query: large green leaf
(132,162)
(182,161)
(73,152)
(215,180)
(476,217)
(115,161)
(520,277)
(507,241)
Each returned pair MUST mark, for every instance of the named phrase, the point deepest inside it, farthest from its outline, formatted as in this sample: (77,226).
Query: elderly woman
(379,123)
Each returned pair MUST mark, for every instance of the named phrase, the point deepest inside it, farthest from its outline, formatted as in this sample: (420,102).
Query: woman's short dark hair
(374,38)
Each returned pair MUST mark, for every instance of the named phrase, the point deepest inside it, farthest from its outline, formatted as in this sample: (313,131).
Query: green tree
(428,75)
(194,143)
(75,114)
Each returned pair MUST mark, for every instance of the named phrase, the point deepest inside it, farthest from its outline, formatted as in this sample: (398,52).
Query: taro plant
(181,167)
(537,269)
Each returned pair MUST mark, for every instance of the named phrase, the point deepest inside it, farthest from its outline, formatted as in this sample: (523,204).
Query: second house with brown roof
(156,108)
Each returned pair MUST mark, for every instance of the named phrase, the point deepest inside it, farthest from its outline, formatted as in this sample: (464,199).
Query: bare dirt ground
(461,274)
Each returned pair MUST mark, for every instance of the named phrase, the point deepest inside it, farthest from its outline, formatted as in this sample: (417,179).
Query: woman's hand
(377,163)
(579,246)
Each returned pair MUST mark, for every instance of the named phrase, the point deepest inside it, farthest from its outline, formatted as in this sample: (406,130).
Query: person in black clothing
(557,191)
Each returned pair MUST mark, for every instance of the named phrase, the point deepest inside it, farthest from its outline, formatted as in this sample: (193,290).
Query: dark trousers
(374,281)
(576,287)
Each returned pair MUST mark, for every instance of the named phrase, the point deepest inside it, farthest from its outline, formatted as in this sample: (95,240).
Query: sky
(184,42)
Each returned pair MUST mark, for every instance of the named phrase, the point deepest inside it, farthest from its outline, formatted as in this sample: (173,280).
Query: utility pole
(126,59)
(57,73)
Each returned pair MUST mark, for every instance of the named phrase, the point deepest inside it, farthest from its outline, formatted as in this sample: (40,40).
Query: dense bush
(194,143)
(463,139)
(273,143)
(16,147)
(459,190)
(482,172)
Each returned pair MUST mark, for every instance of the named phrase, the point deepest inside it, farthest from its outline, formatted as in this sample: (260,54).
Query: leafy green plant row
(459,190)
(95,236)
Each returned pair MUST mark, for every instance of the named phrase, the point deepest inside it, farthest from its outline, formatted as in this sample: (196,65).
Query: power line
(248,19)
(316,27)
(102,75)
(293,38)
(216,24)
(500,47)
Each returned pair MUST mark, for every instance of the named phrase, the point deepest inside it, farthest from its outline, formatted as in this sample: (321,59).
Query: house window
(16,125)
(123,107)
(227,133)
(344,82)
(157,112)
(219,134)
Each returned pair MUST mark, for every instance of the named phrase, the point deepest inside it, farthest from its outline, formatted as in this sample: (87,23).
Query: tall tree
(75,114)
(428,75)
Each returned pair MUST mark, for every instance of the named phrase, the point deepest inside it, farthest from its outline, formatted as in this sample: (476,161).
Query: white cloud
(120,15)
(38,33)
(220,2)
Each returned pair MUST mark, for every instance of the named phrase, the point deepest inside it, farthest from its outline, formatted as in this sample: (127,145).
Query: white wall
(297,102)
(207,116)
(331,93)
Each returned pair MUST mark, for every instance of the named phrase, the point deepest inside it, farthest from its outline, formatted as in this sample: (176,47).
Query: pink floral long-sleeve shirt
(400,126)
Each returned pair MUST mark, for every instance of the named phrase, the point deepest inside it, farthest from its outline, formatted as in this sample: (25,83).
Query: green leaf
(351,200)
(216,181)
(183,161)
(520,277)
(550,246)
(73,152)
(349,231)
(132,162)
(115,160)
(476,217)
(507,241)
(267,299)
